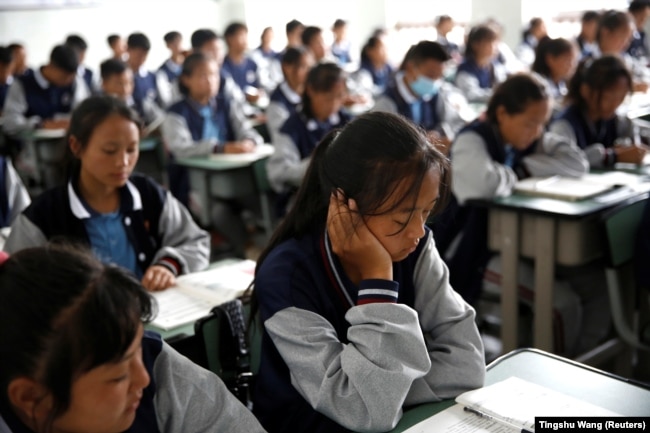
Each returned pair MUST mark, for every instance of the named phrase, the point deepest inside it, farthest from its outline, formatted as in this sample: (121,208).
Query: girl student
(125,218)
(479,73)
(418,93)
(285,99)
(320,112)
(555,61)
(353,271)
(206,121)
(531,37)
(74,356)
(590,120)
(487,159)
(374,72)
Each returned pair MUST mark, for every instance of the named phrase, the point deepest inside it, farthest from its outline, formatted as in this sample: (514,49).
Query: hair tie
(3,257)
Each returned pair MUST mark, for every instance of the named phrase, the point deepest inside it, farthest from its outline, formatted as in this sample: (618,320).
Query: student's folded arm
(450,333)
(179,140)
(385,104)
(182,240)
(595,152)
(241,125)
(17,195)
(191,399)
(13,113)
(164,87)
(361,384)
(471,89)
(24,234)
(285,168)
(556,155)
(474,172)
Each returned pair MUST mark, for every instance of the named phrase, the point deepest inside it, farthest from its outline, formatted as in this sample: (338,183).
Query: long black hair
(549,47)
(321,78)
(600,75)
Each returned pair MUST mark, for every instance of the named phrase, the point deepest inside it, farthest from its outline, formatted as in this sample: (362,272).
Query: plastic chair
(621,226)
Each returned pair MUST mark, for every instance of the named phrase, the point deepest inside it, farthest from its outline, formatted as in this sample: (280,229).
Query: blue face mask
(425,87)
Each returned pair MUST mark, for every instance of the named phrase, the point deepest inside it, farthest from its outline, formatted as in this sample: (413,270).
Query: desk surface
(557,373)
(219,162)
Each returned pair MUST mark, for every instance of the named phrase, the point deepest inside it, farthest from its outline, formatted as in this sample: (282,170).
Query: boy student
(169,71)
(294,29)
(80,46)
(6,73)
(45,98)
(312,39)
(640,11)
(118,46)
(238,65)
(444,25)
(19,55)
(117,80)
(145,84)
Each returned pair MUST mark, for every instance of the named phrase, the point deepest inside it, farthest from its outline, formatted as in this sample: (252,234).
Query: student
(238,65)
(640,11)
(488,157)
(206,41)
(14,198)
(19,54)
(75,357)
(341,45)
(267,60)
(293,30)
(478,74)
(535,32)
(46,97)
(555,61)
(125,218)
(202,123)
(6,74)
(321,111)
(117,44)
(444,25)
(418,93)
(170,70)
(375,72)
(117,81)
(80,46)
(286,98)
(587,38)
(145,82)
(312,39)
(614,33)
(590,121)
(353,271)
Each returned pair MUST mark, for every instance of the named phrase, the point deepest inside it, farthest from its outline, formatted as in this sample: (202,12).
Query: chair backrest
(621,226)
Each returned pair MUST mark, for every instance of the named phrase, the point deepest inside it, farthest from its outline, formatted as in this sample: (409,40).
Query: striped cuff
(373,291)
(171,264)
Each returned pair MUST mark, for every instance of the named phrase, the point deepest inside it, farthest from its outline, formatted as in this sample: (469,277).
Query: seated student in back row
(374,72)
(170,70)
(591,122)
(285,99)
(238,65)
(74,356)
(204,122)
(6,74)
(45,98)
(359,318)
(125,218)
(321,111)
(488,157)
(117,81)
(479,73)
(418,93)
(555,61)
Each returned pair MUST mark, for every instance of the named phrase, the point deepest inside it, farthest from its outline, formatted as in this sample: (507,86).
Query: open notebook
(507,406)
(194,295)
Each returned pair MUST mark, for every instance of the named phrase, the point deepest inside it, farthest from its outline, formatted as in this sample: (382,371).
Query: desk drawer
(576,241)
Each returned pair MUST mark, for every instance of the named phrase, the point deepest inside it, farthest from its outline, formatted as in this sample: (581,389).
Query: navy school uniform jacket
(470,222)
(430,118)
(145,86)
(605,132)
(380,77)
(4,88)
(160,230)
(485,76)
(339,358)
(244,74)
(638,48)
(46,102)
(179,177)
(193,401)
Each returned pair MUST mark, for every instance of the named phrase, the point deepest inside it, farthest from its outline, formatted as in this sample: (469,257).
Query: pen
(497,420)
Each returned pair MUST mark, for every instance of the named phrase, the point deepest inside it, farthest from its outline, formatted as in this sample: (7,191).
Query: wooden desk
(550,232)
(560,374)
(228,176)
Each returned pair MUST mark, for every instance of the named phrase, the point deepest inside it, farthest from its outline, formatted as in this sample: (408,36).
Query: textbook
(561,188)
(261,151)
(507,406)
(195,294)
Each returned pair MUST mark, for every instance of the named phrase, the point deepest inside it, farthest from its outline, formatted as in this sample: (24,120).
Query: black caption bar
(591,424)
